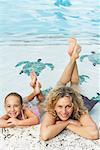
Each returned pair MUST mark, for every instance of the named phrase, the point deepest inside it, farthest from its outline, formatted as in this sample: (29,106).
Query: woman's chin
(63,118)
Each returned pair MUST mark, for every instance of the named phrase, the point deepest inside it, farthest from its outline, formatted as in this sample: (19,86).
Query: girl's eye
(16,105)
(8,106)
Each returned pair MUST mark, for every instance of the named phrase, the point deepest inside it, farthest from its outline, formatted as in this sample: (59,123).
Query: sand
(28,139)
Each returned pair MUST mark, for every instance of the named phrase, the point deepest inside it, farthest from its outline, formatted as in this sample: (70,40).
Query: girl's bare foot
(37,88)
(40,97)
(33,79)
(73,43)
(38,92)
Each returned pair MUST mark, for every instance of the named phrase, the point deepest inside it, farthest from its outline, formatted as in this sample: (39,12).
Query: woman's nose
(64,110)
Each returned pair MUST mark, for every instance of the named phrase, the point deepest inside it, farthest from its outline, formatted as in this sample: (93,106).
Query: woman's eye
(60,106)
(69,106)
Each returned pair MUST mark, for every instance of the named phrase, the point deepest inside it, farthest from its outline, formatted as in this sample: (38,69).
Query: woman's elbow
(43,136)
(94,134)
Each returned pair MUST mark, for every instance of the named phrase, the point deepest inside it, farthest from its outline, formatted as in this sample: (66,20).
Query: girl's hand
(13,121)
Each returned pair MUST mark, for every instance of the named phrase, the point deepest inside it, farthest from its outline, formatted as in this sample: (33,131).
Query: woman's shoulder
(49,116)
(86,118)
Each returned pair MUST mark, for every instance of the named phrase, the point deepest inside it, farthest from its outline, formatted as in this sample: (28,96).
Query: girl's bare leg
(33,77)
(36,87)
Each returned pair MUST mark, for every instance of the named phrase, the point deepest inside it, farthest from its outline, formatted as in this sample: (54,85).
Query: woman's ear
(77,109)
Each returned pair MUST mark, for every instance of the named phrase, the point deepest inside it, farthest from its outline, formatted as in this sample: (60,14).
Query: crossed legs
(70,73)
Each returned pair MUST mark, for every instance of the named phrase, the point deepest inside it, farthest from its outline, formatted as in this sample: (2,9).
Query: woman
(64,108)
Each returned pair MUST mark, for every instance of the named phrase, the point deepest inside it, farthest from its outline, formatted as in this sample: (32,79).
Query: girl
(16,114)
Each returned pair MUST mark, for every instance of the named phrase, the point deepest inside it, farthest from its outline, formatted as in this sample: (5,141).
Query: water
(48,22)
(31,30)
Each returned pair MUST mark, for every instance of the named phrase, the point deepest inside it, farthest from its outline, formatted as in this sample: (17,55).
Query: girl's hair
(16,95)
(60,92)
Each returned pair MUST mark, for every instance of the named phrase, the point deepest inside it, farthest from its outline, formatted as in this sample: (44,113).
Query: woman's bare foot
(73,43)
(76,52)
(33,79)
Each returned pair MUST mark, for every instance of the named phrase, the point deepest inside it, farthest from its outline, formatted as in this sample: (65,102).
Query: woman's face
(64,108)
(13,106)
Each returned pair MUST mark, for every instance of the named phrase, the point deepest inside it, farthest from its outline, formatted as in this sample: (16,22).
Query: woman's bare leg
(68,72)
(75,76)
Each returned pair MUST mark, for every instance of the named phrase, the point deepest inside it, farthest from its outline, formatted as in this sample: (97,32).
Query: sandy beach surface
(28,139)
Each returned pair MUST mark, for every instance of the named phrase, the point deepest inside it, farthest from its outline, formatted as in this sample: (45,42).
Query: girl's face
(64,108)
(13,106)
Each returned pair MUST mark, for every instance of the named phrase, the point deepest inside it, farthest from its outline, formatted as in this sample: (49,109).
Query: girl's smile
(13,106)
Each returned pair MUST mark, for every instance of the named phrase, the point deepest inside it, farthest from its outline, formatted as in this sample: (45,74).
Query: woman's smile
(64,108)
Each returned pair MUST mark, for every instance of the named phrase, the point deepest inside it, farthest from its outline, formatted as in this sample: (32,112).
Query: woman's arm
(87,129)
(50,128)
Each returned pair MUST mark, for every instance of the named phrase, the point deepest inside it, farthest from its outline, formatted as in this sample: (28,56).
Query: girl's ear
(23,106)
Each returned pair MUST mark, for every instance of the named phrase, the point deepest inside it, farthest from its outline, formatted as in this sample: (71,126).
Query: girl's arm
(50,128)
(31,119)
(30,97)
(3,121)
(87,129)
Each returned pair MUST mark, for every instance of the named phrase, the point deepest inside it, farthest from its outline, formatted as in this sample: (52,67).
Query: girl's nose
(12,108)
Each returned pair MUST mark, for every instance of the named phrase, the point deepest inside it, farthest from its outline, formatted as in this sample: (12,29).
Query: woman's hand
(74,122)
(63,122)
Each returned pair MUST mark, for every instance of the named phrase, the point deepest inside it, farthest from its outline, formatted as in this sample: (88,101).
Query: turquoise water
(48,22)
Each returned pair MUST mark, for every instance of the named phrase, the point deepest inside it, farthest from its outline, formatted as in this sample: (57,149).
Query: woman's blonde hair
(60,92)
